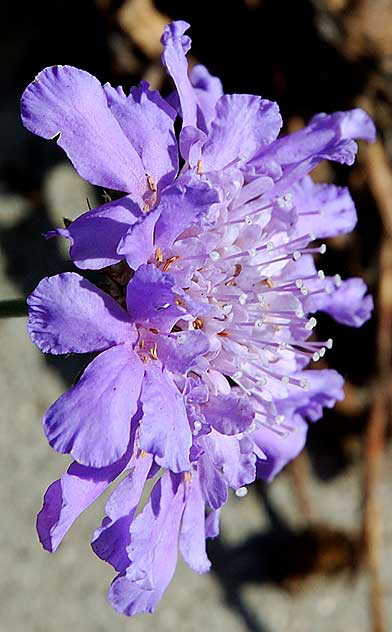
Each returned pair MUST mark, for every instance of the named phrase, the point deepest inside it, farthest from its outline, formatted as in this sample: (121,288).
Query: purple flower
(202,347)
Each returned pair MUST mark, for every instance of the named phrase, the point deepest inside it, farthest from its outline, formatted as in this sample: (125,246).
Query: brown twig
(380,181)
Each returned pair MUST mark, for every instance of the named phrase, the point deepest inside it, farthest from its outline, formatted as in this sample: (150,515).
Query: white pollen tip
(270,245)
(237,375)
(304,291)
(311,324)
(214,255)
(248,220)
(312,236)
(296,255)
(322,352)
(262,382)
(252,252)
(242,299)
(195,433)
(316,357)
(321,274)
(329,343)
(304,384)
(241,492)
(299,283)
(285,379)
(299,313)
(323,249)
(258,323)
(338,280)
(279,419)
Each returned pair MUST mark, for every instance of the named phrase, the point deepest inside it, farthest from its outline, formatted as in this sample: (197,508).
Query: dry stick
(380,182)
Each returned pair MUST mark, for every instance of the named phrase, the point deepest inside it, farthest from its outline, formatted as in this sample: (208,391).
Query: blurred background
(312,551)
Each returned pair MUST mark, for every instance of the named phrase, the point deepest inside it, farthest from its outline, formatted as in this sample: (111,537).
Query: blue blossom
(200,381)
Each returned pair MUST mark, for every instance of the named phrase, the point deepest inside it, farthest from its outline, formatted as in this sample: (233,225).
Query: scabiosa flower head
(204,336)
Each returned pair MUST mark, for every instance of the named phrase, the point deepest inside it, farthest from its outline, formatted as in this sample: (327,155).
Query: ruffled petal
(112,538)
(164,428)
(95,235)
(151,299)
(182,206)
(228,414)
(326,137)
(208,90)
(67,314)
(243,124)
(147,121)
(180,351)
(327,210)
(137,244)
(324,388)
(70,105)
(212,483)
(345,302)
(152,551)
(212,523)
(92,420)
(193,530)
(68,497)
(279,447)
(175,46)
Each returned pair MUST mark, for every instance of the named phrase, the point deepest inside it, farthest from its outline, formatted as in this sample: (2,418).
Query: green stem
(15,307)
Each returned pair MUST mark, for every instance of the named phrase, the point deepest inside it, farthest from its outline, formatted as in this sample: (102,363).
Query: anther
(242,299)
(214,255)
(296,255)
(311,324)
(338,280)
(241,492)
(152,184)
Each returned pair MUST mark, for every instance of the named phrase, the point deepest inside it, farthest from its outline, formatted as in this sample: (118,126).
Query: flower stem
(14,307)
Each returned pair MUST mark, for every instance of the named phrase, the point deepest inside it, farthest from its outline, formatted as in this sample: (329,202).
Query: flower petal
(279,448)
(164,428)
(95,235)
(326,137)
(92,420)
(243,124)
(345,302)
(193,529)
(176,45)
(147,121)
(333,208)
(212,483)
(179,352)
(152,551)
(208,90)
(67,314)
(151,299)
(228,414)
(137,244)
(70,104)
(68,497)
(111,539)
(182,206)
